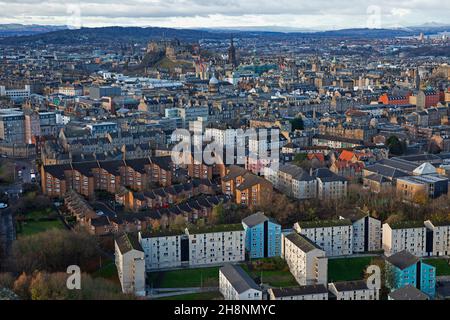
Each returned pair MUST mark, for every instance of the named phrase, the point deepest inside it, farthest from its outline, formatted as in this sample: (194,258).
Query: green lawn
(274,272)
(347,269)
(279,277)
(442,266)
(208,277)
(196,296)
(274,278)
(108,271)
(40,214)
(33,227)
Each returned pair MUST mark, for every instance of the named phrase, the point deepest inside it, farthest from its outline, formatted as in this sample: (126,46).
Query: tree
(21,286)
(155,225)
(7,280)
(179,223)
(300,157)
(301,160)
(420,198)
(217,214)
(52,286)
(395,146)
(394,218)
(55,250)
(297,124)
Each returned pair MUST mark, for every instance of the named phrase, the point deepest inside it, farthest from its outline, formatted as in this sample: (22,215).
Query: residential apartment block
(408,235)
(262,236)
(311,292)
(406,269)
(236,284)
(330,186)
(335,237)
(366,233)
(130,263)
(353,290)
(307,262)
(246,188)
(438,237)
(110,176)
(292,181)
(195,247)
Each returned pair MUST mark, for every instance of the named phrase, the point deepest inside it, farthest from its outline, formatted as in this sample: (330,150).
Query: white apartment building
(71,91)
(293,181)
(12,126)
(236,284)
(366,234)
(271,175)
(188,114)
(261,141)
(408,235)
(330,186)
(304,187)
(311,292)
(353,290)
(307,262)
(195,247)
(225,137)
(161,250)
(16,94)
(216,246)
(130,263)
(335,237)
(440,238)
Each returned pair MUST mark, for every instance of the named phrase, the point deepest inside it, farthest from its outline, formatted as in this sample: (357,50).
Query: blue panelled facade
(411,272)
(262,236)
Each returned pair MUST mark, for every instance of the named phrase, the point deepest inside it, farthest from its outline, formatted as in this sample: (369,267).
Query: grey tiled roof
(302,242)
(408,293)
(402,259)
(238,278)
(350,285)
(299,291)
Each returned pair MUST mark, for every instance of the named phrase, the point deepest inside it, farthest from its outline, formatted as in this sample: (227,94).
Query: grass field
(40,214)
(442,266)
(273,271)
(196,296)
(347,269)
(33,227)
(108,271)
(274,278)
(209,277)
(185,278)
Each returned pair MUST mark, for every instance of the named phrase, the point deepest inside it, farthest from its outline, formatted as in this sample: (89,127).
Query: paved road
(25,167)
(157,293)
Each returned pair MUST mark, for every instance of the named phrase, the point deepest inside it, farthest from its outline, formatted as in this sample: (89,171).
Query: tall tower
(232,54)
(417,79)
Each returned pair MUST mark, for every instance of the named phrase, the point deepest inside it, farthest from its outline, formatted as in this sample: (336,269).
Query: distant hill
(136,34)
(10,30)
(107,35)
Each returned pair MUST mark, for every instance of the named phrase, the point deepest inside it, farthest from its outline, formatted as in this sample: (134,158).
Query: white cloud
(320,14)
(400,12)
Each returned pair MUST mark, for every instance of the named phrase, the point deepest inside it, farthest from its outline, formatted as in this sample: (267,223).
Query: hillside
(135,34)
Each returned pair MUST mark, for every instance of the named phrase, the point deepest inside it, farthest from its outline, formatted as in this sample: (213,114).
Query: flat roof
(423,179)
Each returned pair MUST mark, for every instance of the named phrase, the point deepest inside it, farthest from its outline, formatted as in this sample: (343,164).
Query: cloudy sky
(305,14)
